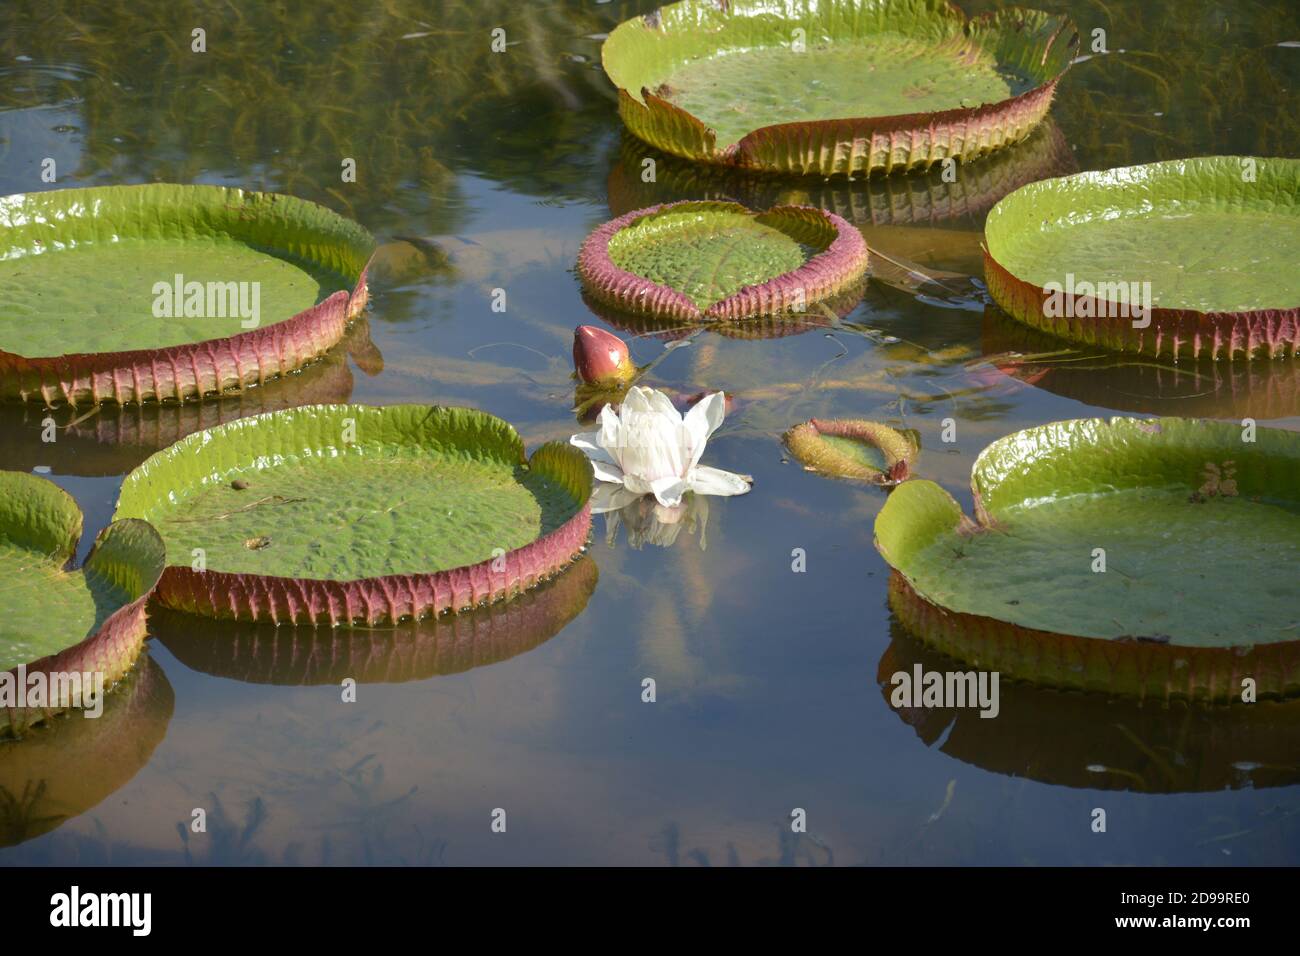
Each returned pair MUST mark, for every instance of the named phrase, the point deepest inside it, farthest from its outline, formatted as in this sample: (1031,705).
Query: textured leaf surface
(1188,227)
(718,261)
(99,297)
(853,448)
(79,265)
(1201,533)
(420,490)
(1201,234)
(85,321)
(706,254)
(735,92)
(877,84)
(49,608)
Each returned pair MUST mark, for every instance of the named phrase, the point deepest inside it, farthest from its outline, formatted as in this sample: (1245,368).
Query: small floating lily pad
(854,448)
(350,514)
(1215,240)
(716,261)
(61,621)
(1153,558)
(835,88)
(164,292)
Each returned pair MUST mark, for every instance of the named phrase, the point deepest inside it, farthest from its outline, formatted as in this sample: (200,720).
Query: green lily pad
(854,448)
(843,88)
(1185,258)
(713,261)
(1152,558)
(137,293)
(353,514)
(60,620)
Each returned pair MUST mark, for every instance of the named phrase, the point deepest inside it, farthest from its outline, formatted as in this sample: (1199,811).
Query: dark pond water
(484,171)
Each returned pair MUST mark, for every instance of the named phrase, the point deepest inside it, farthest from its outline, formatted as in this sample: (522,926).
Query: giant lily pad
(163,292)
(349,514)
(1216,238)
(1149,558)
(716,261)
(416,650)
(835,87)
(58,622)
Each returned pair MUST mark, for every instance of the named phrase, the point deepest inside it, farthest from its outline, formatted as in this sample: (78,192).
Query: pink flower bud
(601,358)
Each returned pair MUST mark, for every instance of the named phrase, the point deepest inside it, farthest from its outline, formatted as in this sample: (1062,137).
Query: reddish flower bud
(601,358)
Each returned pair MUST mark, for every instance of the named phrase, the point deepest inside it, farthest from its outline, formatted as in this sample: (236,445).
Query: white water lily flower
(648,448)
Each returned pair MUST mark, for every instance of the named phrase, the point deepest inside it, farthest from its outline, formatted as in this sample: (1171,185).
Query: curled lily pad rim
(201,368)
(806,441)
(1173,333)
(1146,669)
(41,516)
(380,600)
(845,145)
(842,262)
(918,199)
(309,655)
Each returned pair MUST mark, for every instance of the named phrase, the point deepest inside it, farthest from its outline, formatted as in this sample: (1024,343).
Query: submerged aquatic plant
(647,447)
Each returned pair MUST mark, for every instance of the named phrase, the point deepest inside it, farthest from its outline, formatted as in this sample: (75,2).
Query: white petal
(636,402)
(668,491)
(610,430)
(636,484)
(604,471)
(714,481)
(651,448)
(589,444)
(702,421)
(607,497)
(661,404)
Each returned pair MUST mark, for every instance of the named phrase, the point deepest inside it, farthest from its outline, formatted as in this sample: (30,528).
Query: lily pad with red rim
(1148,558)
(352,514)
(112,439)
(718,261)
(835,87)
(919,199)
(60,621)
(1215,238)
(415,650)
(854,448)
(164,292)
